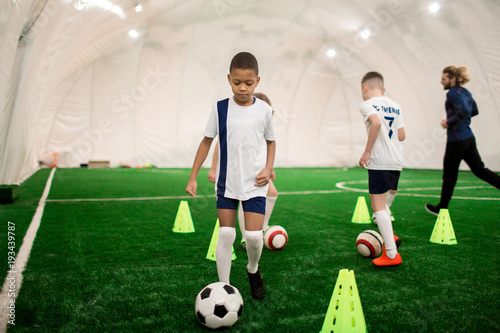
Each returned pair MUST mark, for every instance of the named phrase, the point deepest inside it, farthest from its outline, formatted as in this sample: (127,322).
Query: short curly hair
(244,60)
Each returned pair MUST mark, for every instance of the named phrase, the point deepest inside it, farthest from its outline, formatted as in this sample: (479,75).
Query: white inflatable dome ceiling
(103,80)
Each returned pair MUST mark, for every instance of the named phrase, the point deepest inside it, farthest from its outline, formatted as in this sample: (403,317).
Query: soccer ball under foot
(218,305)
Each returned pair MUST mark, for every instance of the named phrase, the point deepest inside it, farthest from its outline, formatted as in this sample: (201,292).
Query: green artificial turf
(116,266)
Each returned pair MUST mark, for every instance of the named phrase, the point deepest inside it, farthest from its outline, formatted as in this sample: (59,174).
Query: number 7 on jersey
(391,120)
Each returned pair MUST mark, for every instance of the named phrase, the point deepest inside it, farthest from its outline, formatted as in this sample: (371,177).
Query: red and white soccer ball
(218,305)
(275,237)
(370,243)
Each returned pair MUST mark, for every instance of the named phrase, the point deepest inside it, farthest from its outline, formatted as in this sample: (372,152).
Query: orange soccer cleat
(385,261)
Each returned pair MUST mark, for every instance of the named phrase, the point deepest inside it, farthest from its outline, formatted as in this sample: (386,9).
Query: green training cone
(183,221)
(213,243)
(345,314)
(361,214)
(443,232)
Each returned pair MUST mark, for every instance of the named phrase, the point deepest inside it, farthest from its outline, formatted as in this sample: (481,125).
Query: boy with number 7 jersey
(383,157)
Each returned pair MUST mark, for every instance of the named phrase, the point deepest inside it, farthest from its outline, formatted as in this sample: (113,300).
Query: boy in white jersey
(246,146)
(272,192)
(383,157)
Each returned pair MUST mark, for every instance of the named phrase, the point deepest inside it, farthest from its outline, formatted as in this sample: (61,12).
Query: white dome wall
(89,91)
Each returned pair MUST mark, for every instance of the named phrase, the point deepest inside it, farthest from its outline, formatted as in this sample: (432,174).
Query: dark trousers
(456,152)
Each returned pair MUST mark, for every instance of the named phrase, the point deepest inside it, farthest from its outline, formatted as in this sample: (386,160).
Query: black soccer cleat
(398,241)
(434,210)
(256,284)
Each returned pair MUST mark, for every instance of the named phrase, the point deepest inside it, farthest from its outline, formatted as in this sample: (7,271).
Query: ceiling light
(365,34)
(103,4)
(138,8)
(107,5)
(133,33)
(80,4)
(434,7)
(331,53)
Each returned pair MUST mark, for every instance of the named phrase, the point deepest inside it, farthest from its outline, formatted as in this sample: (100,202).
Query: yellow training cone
(345,313)
(392,216)
(361,214)
(183,221)
(443,232)
(213,244)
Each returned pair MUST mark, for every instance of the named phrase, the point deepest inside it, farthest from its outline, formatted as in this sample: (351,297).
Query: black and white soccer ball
(219,305)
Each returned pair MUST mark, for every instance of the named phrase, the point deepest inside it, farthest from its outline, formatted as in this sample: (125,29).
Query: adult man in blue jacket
(461,143)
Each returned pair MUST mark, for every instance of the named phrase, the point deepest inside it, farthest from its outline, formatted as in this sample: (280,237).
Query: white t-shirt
(242,147)
(387,153)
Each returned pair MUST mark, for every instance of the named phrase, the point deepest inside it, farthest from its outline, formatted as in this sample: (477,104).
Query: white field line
(138,169)
(310,192)
(341,186)
(14,279)
(180,197)
(132,198)
(401,191)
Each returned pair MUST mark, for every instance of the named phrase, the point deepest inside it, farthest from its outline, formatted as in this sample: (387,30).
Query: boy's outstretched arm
(375,125)
(265,175)
(201,155)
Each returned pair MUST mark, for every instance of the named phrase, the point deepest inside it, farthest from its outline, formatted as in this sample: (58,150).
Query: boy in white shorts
(247,148)
(383,157)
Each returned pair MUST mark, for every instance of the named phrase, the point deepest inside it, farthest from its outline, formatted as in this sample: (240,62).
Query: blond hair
(459,73)
(263,97)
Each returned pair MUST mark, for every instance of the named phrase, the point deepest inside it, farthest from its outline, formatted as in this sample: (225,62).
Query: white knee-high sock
(224,252)
(254,249)
(241,221)
(270,201)
(389,198)
(385,226)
